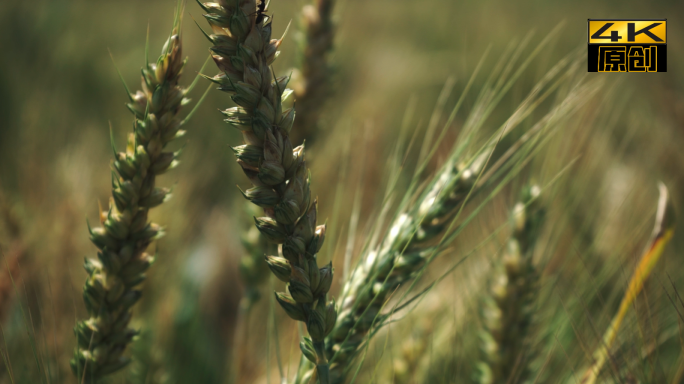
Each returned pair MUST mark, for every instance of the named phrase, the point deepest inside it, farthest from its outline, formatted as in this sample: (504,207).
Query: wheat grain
(243,51)
(508,309)
(110,290)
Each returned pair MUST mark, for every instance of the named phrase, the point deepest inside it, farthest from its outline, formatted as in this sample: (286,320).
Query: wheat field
(336,191)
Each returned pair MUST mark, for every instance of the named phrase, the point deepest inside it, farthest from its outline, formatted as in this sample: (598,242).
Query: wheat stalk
(314,86)
(243,51)
(507,311)
(110,290)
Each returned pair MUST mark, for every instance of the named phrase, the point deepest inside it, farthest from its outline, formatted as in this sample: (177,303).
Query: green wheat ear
(507,311)
(421,228)
(311,90)
(111,288)
(243,51)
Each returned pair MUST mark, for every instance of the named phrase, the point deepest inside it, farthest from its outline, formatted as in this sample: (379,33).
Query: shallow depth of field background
(59,91)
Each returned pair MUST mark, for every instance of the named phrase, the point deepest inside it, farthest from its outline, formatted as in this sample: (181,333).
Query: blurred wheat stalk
(110,290)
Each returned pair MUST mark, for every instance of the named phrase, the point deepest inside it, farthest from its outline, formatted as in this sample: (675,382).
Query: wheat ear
(314,87)
(110,290)
(311,92)
(410,241)
(402,254)
(243,51)
(508,309)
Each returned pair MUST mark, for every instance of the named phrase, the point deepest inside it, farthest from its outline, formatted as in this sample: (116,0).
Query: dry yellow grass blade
(662,233)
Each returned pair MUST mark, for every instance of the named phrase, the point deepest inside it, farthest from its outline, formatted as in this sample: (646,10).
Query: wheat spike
(410,241)
(111,288)
(401,255)
(507,311)
(311,91)
(243,51)
(314,86)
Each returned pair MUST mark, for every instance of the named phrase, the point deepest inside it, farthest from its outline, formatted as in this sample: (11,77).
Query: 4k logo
(627,45)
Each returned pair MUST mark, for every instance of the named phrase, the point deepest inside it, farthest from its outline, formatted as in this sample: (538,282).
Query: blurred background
(59,93)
